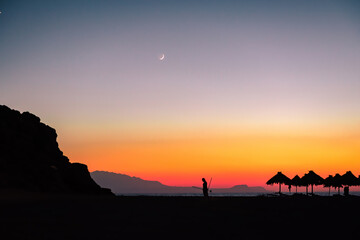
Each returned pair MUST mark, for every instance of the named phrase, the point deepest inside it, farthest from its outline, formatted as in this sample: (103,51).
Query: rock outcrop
(30,158)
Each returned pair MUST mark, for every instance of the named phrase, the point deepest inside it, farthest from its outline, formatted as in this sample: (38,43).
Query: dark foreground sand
(80,217)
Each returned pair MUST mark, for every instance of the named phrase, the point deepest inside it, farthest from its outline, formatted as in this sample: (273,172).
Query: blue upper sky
(226,62)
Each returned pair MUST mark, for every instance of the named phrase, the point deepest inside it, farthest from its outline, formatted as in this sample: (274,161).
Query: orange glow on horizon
(230,160)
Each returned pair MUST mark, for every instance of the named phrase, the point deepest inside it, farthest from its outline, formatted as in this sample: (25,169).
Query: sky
(246,88)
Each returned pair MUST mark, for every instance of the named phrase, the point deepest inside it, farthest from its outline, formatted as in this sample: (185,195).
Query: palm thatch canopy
(314,179)
(337,182)
(348,179)
(304,180)
(328,182)
(280,179)
(296,181)
(311,178)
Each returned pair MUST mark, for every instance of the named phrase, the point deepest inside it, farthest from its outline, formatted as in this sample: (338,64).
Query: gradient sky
(247,88)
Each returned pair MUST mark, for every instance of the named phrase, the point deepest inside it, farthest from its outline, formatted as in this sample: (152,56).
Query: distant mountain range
(124,184)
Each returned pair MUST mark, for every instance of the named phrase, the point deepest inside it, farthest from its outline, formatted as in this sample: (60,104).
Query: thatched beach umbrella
(337,182)
(279,178)
(348,179)
(304,181)
(328,182)
(296,181)
(311,178)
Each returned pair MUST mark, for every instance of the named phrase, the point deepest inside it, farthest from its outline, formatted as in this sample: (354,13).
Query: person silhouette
(205,188)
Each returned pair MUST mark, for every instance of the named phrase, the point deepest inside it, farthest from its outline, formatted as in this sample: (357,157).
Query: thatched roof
(296,181)
(279,178)
(328,181)
(349,179)
(311,178)
(337,181)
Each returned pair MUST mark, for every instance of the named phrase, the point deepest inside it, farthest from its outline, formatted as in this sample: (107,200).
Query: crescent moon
(162,57)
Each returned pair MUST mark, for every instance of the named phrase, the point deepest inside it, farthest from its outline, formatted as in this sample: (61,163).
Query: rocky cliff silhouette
(30,158)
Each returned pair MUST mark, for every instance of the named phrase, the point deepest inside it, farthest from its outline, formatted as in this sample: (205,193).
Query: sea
(262,194)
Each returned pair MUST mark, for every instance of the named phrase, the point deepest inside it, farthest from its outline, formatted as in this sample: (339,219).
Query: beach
(90,217)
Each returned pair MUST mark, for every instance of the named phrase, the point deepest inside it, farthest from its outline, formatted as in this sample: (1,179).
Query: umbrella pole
(279,188)
(312,189)
(296,188)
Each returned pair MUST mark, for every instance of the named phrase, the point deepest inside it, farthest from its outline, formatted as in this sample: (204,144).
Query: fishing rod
(210,184)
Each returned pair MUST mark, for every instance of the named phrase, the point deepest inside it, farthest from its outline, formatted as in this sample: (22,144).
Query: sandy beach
(85,217)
